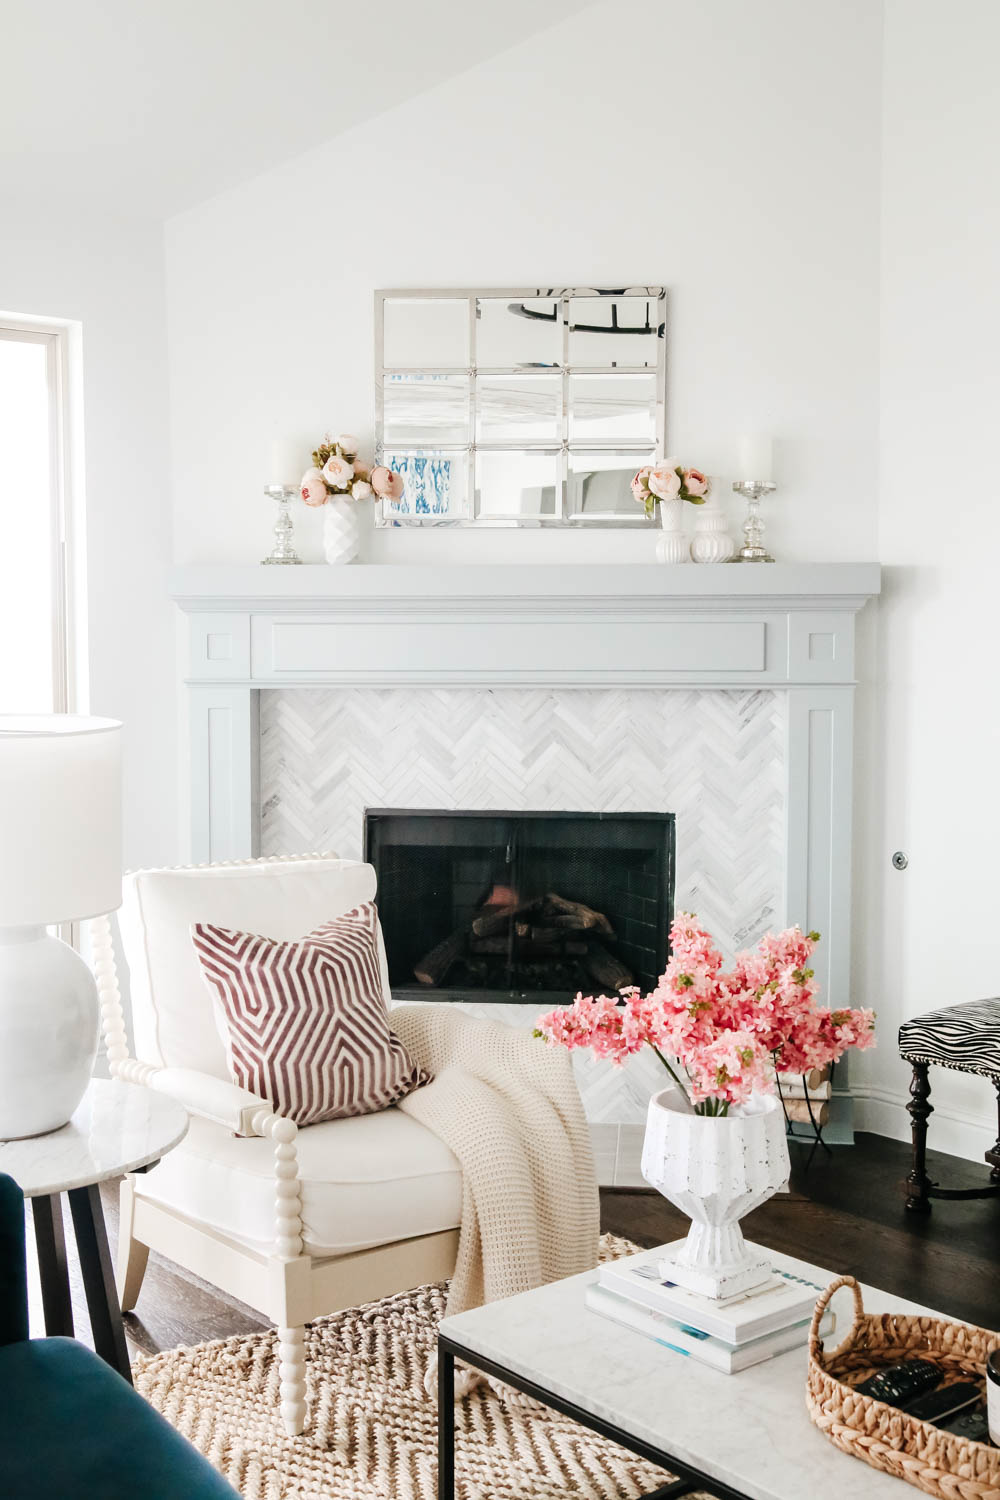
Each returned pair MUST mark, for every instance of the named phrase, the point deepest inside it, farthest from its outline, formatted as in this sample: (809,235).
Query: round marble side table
(118,1127)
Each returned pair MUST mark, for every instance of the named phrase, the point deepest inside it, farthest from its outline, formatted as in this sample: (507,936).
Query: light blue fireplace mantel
(788,627)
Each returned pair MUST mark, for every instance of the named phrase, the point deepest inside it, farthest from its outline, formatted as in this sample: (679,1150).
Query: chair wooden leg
(918,1184)
(292,1374)
(132,1254)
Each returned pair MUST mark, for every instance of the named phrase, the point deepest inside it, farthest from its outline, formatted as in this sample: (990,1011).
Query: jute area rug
(373,1429)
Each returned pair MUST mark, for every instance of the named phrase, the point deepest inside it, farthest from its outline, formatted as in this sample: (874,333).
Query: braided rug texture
(372,1431)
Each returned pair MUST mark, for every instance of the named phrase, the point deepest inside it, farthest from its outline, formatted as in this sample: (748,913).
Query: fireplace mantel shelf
(542,588)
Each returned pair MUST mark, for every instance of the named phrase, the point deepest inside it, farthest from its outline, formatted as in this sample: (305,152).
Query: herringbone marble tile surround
(713,758)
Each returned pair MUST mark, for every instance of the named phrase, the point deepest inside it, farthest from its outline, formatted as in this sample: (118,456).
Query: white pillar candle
(756,456)
(287,461)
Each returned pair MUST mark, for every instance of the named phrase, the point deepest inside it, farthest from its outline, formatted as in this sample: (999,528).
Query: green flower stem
(670,1070)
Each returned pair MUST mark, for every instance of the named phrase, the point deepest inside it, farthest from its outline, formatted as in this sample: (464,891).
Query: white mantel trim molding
(785,627)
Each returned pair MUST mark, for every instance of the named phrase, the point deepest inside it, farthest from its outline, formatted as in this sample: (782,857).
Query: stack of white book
(730,1334)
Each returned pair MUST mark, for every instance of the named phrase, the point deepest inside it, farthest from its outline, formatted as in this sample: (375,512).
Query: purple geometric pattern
(306,1021)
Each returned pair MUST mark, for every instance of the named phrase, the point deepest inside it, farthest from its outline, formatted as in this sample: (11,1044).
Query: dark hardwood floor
(845,1213)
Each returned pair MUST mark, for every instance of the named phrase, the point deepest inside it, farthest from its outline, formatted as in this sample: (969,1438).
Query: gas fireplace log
(493,919)
(522,951)
(584,917)
(433,968)
(606,968)
(489,944)
(548,934)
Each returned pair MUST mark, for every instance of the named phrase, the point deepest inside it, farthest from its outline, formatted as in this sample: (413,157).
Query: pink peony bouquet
(728,1031)
(337,470)
(669,480)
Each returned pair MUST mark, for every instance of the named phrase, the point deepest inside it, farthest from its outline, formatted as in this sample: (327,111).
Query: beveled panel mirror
(519,407)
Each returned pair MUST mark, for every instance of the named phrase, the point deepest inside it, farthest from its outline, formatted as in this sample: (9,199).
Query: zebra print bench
(967,1039)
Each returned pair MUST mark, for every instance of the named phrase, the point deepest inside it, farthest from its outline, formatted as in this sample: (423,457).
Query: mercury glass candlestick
(283,550)
(753,549)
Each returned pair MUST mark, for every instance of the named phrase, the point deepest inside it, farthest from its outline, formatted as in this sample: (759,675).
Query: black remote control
(946,1401)
(901,1383)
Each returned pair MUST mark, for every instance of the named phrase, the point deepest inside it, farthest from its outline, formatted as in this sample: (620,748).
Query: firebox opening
(521,906)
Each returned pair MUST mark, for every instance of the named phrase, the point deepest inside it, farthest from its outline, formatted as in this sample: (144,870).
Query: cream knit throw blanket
(508,1107)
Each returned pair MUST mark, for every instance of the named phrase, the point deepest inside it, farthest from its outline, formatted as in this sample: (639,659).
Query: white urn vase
(715,1169)
(711,542)
(671,544)
(341,530)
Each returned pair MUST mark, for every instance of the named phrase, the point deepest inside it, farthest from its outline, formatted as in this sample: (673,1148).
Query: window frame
(56,339)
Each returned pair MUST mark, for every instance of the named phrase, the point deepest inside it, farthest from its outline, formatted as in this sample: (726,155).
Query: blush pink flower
(312,488)
(361,490)
(640,484)
(338,472)
(696,483)
(664,481)
(730,1069)
(387,483)
(348,444)
(728,1030)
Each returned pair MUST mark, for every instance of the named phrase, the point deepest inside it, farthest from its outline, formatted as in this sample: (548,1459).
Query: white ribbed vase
(671,544)
(715,1169)
(341,531)
(711,542)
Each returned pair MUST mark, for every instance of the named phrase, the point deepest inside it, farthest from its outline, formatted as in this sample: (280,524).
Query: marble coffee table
(117,1128)
(738,1437)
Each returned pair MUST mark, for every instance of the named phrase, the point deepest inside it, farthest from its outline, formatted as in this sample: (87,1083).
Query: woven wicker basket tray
(937,1462)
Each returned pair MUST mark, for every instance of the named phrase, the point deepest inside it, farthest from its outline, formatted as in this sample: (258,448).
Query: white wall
(928,936)
(758,159)
(108,277)
(725,149)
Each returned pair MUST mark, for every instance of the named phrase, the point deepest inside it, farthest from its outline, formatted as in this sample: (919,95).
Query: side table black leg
(920,1109)
(446,1424)
(53,1272)
(98,1278)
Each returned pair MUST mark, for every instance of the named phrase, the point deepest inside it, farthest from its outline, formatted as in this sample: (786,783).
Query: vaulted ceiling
(148,106)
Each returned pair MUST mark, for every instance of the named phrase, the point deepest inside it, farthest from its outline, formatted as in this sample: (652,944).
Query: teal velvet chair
(70,1427)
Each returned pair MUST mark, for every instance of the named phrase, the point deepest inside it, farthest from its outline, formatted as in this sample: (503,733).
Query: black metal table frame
(106,1324)
(688,1482)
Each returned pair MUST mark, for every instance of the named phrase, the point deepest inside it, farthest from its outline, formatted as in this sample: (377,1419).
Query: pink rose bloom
(337,472)
(312,489)
(360,490)
(361,472)
(348,444)
(640,488)
(695,482)
(664,481)
(387,483)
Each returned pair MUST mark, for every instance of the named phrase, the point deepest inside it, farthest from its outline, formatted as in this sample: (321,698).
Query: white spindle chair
(201,1206)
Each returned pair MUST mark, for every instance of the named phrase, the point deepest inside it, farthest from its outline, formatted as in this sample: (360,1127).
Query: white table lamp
(60,861)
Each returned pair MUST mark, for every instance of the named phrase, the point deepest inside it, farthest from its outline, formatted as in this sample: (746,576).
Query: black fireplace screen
(522,906)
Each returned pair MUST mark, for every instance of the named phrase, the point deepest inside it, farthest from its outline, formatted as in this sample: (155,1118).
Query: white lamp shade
(60,819)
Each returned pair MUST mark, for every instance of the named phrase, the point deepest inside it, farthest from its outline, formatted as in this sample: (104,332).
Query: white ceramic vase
(671,544)
(341,530)
(49,1022)
(711,542)
(715,1169)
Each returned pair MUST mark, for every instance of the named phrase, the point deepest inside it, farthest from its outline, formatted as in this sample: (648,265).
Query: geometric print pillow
(305,1022)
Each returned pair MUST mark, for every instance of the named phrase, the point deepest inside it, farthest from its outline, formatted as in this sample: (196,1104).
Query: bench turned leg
(920,1109)
(993,1155)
